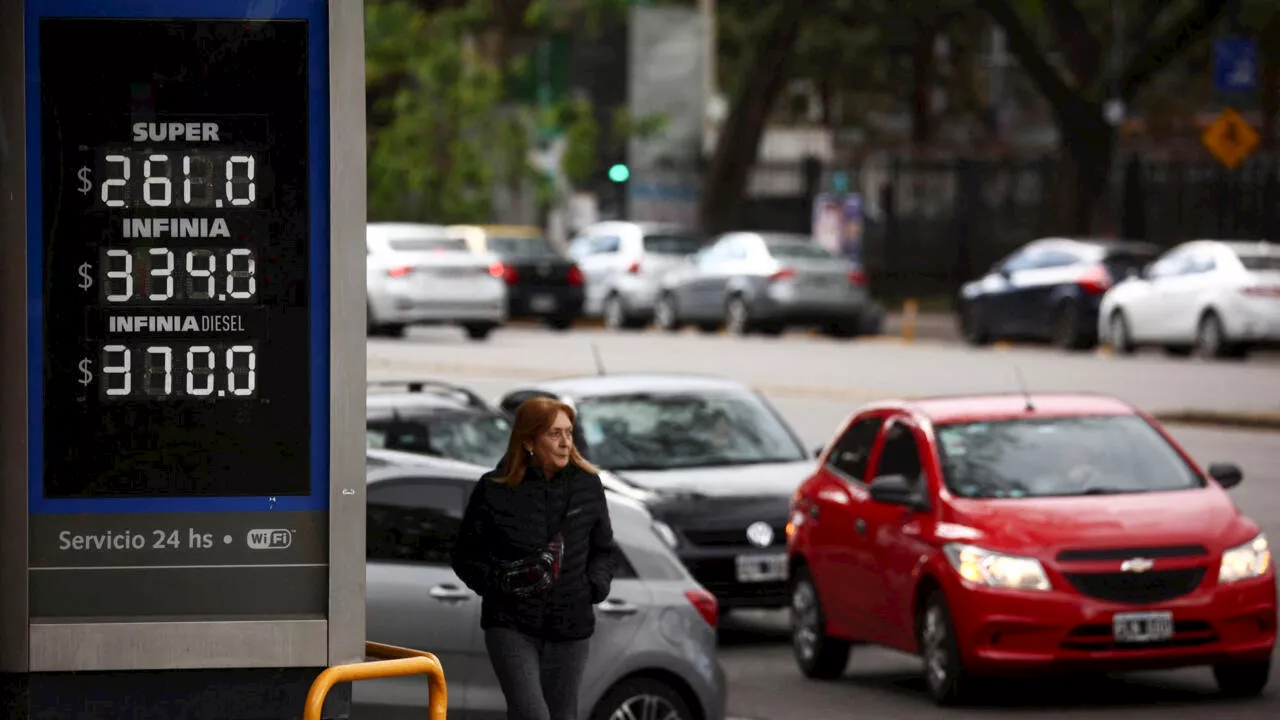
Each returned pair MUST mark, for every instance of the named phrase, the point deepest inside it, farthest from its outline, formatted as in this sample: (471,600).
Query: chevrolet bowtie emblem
(1137,565)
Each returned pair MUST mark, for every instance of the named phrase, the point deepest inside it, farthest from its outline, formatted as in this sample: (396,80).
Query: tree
(1078,91)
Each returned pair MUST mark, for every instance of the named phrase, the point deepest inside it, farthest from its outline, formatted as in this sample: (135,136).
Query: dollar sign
(85,279)
(85,185)
(86,376)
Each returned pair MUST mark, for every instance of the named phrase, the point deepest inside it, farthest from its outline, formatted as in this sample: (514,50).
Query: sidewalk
(929,326)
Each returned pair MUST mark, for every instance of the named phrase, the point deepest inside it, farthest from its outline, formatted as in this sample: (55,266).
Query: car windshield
(668,431)
(672,244)
(1047,457)
(470,437)
(428,244)
(522,247)
(799,251)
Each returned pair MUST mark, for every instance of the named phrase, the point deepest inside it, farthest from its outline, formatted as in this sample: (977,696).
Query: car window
(672,244)
(413,520)
(1120,263)
(1175,262)
(1024,259)
(624,570)
(522,247)
(1044,457)
(476,438)
(428,244)
(852,451)
(900,454)
(1259,262)
(798,251)
(665,431)
(1053,259)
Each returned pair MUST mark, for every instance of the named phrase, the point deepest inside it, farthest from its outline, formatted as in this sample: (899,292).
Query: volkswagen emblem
(760,534)
(1137,565)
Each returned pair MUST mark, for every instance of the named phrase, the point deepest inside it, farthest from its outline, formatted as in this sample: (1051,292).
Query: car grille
(734,537)
(1138,588)
(1168,551)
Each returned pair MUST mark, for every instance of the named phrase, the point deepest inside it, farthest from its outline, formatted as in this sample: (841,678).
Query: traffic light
(619,172)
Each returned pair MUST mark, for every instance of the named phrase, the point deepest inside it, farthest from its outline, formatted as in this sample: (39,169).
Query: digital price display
(176,280)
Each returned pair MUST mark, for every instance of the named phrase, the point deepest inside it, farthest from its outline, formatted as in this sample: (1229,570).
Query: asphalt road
(815,383)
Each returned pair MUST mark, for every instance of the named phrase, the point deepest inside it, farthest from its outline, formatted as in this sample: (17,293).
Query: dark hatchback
(428,417)
(715,463)
(1049,289)
(541,282)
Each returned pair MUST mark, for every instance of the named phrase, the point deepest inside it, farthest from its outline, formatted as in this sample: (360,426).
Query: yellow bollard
(395,662)
(910,310)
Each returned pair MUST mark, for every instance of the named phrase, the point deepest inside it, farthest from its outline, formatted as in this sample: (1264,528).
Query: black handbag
(536,573)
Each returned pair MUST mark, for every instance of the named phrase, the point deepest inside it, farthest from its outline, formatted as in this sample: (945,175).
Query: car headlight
(995,569)
(665,532)
(1242,562)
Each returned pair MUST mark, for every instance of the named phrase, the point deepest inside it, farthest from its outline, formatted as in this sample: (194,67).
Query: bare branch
(1159,50)
(1031,56)
(1080,45)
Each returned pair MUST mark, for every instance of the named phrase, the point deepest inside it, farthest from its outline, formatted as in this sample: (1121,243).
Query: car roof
(1101,243)
(1249,247)
(597,385)
(401,229)
(941,410)
(423,394)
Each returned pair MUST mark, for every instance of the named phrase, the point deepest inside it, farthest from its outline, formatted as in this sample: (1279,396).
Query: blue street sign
(1235,65)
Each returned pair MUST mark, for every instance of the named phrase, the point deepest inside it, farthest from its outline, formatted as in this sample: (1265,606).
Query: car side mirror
(1228,475)
(896,490)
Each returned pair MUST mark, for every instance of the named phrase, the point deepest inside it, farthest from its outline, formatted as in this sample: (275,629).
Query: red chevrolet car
(1026,534)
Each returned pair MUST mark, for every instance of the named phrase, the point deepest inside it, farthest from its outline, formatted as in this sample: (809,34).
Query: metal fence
(931,225)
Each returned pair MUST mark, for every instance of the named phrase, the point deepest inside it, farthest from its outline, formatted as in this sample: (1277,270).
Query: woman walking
(536,544)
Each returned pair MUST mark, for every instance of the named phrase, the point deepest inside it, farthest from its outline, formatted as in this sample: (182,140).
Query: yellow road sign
(1230,138)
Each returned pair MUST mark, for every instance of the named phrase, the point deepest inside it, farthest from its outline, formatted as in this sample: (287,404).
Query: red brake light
(510,274)
(1262,291)
(635,268)
(783,274)
(1095,280)
(706,605)
(575,275)
(857,277)
(399,271)
(497,269)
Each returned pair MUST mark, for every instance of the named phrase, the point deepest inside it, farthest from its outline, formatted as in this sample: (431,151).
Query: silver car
(623,262)
(653,654)
(425,274)
(766,282)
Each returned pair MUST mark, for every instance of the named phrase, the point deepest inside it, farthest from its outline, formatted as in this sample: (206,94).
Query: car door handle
(449,593)
(618,607)
(860,525)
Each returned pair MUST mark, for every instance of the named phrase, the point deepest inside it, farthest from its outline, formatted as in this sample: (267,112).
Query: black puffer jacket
(504,523)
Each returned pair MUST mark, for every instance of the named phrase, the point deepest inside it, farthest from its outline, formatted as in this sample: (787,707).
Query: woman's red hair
(534,417)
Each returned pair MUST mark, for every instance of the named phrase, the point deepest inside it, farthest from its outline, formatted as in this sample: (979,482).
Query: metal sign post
(182,480)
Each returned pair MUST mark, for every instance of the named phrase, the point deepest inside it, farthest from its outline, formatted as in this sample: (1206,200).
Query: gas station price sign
(176,265)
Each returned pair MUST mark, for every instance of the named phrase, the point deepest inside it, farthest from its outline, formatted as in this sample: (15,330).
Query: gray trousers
(540,679)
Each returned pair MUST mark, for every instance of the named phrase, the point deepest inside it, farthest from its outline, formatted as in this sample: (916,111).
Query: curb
(1213,418)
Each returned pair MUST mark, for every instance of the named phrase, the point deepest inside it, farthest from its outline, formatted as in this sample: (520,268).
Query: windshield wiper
(1106,491)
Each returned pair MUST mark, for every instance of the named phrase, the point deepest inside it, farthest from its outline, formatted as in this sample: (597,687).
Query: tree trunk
(1088,144)
(922,77)
(725,181)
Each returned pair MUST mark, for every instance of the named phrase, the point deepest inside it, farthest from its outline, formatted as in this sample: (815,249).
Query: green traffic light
(619,173)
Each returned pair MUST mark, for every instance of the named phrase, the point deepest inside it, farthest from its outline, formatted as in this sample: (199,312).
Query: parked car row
(991,535)
(1216,298)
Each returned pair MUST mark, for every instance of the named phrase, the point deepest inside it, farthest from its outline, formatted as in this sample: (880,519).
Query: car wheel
(1211,340)
(1242,679)
(737,318)
(1066,327)
(664,314)
(642,697)
(1118,329)
(478,332)
(819,655)
(615,316)
(944,675)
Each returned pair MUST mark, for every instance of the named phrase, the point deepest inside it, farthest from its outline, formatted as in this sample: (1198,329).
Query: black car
(541,282)
(1049,289)
(715,463)
(429,417)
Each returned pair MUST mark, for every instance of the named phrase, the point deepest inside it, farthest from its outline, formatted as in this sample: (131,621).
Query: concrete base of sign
(267,694)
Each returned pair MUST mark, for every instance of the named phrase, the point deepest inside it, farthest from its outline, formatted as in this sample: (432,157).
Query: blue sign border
(317,15)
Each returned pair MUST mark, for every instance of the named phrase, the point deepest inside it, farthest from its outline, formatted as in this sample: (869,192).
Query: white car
(424,274)
(1219,298)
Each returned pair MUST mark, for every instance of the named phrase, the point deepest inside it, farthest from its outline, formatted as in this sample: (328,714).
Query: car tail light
(1262,291)
(634,269)
(857,277)
(401,271)
(575,275)
(509,273)
(783,274)
(1095,280)
(706,605)
(497,269)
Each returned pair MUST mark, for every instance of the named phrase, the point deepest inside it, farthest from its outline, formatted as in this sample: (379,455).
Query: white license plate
(1142,627)
(542,303)
(761,568)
